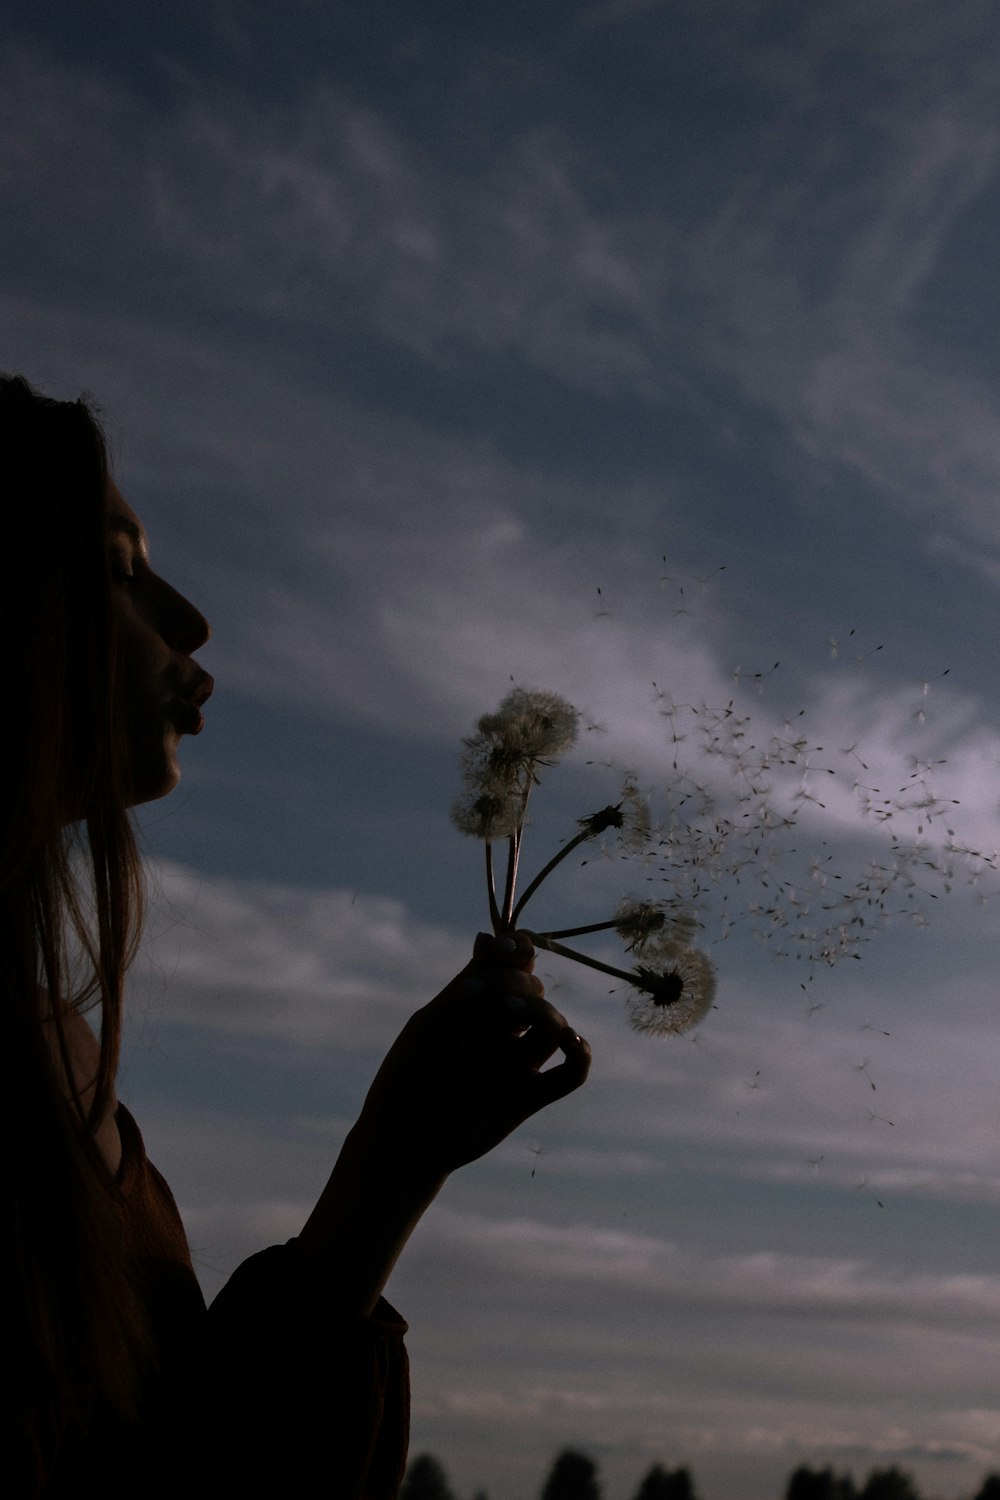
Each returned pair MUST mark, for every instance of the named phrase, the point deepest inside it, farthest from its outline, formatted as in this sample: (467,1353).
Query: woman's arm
(464,1072)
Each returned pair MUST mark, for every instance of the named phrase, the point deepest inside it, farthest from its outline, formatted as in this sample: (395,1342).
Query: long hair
(73,1335)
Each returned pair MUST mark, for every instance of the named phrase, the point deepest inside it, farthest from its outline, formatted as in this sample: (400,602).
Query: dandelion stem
(491,890)
(544,940)
(566,932)
(513,856)
(546,870)
(513,851)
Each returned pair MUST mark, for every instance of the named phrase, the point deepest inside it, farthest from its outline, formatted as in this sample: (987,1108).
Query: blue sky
(597,347)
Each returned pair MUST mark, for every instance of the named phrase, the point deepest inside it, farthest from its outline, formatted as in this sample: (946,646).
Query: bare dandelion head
(599,822)
(629,817)
(673,997)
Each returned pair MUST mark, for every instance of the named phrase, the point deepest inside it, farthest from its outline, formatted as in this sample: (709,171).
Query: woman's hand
(467,1068)
(464,1072)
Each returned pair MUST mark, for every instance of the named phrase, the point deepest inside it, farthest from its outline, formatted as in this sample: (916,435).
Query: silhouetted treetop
(573,1477)
(425,1480)
(661,1484)
(889,1484)
(819,1484)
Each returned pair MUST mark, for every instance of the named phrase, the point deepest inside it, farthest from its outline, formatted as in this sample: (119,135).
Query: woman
(294,1382)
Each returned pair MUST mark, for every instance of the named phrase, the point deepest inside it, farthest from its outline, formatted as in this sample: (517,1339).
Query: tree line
(574,1476)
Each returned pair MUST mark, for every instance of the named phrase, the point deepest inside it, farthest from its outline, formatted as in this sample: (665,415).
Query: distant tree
(989,1489)
(661,1484)
(889,1484)
(819,1484)
(573,1477)
(425,1480)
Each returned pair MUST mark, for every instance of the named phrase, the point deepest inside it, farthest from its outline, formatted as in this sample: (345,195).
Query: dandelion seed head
(654,929)
(492,766)
(671,999)
(636,920)
(636,825)
(487,814)
(531,725)
(499,760)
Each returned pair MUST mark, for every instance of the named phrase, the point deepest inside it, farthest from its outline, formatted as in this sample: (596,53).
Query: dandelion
(534,727)
(670,1000)
(648,927)
(500,765)
(727,847)
(636,921)
(678,993)
(487,815)
(499,768)
(636,823)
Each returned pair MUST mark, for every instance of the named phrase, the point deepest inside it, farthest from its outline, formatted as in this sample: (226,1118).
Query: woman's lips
(188,717)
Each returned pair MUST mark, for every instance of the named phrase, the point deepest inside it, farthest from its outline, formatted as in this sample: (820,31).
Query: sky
(645,353)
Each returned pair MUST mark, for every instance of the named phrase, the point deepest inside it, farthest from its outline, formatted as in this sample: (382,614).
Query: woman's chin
(152,784)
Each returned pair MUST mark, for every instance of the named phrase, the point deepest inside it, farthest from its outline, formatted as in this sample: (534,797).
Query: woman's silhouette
(117,1378)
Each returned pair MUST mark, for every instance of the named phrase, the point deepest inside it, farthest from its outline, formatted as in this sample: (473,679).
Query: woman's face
(157,630)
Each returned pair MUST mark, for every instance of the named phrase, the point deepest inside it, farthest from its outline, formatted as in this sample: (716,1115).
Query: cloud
(761,1282)
(323,211)
(297,979)
(261,960)
(812,288)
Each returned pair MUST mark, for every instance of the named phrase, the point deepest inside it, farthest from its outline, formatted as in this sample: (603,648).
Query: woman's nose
(187,629)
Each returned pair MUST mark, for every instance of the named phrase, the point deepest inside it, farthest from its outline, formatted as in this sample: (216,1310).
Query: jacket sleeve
(299,1397)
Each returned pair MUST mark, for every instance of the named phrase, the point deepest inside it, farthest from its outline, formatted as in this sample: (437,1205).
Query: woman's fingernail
(507,943)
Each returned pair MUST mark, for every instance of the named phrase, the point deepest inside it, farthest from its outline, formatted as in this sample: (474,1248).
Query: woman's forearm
(370,1206)
(466,1070)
